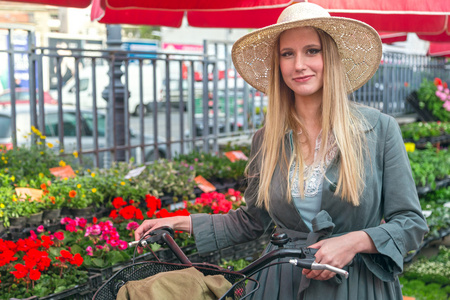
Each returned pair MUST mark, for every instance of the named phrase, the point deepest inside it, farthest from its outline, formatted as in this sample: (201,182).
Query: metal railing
(159,104)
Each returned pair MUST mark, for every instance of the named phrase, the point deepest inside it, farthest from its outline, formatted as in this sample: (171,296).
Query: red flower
(113,214)
(437,81)
(153,204)
(138,214)
(21,272)
(43,186)
(46,241)
(94,220)
(72,194)
(35,274)
(128,212)
(77,260)
(6,257)
(118,202)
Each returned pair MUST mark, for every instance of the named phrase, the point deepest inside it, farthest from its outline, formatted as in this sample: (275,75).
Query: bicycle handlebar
(301,257)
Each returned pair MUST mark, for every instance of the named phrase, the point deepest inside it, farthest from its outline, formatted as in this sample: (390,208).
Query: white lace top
(309,206)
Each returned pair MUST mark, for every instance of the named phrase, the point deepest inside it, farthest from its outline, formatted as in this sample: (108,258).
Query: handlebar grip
(316,266)
(309,264)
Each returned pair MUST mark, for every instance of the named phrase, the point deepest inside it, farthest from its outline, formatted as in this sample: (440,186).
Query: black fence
(116,105)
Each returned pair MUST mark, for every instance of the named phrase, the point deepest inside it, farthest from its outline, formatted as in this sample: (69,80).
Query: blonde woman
(323,170)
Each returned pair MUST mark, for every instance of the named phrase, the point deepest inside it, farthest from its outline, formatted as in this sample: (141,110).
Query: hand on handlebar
(339,252)
(181,223)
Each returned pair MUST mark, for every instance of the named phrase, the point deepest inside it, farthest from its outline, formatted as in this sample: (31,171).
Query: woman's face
(301,61)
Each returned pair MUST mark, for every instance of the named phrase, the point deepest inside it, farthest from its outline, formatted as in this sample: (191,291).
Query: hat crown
(302,11)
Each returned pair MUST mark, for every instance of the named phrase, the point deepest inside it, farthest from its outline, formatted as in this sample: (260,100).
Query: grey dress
(389,193)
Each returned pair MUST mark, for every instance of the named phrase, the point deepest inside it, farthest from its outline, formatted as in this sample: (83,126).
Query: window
(5,126)
(89,123)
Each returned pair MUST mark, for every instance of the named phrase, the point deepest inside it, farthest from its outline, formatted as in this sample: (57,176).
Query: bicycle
(301,257)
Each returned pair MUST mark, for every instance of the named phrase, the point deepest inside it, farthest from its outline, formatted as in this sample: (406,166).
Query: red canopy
(64,3)
(392,37)
(439,49)
(427,16)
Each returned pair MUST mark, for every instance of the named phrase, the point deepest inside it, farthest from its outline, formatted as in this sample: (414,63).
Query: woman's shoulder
(371,116)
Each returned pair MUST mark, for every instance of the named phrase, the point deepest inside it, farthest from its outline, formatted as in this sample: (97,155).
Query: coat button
(333,187)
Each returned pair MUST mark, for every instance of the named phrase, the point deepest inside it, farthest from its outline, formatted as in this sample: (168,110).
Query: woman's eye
(313,51)
(286,54)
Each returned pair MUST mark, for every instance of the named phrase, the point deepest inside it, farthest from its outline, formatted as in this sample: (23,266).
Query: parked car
(52,129)
(23,97)
(86,90)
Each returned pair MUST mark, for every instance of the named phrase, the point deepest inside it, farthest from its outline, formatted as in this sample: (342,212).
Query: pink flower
(447,105)
(114,242)
(33,235)
(65,220)
(81,222)
(123,245)
(93,230)
(99,247)
(90,251)
(59,235)
(40,229)
(132,226)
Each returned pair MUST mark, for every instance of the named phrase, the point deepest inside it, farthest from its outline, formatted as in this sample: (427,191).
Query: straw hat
(358,43)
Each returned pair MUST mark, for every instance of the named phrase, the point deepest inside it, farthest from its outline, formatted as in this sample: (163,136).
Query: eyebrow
(305,47)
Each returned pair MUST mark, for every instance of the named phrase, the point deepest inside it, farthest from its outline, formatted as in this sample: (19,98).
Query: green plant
(435,97)
(417,130)
(428,278)
(166,177)
(6,193)
(429,165)
(28,162)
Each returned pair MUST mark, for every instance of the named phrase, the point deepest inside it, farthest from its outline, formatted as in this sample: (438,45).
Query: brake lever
(155,237)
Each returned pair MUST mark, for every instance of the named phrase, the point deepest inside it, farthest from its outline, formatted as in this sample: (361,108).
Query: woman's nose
(299,63)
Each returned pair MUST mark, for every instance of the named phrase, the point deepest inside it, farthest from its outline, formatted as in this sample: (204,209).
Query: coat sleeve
(247,223)
(404,226)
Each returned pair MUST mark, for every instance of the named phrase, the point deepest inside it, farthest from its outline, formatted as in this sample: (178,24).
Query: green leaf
(99,263)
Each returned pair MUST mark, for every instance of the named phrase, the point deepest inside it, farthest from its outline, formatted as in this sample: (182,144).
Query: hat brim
(359,46)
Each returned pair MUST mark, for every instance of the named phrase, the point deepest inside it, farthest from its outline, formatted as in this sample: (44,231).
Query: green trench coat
(389,193)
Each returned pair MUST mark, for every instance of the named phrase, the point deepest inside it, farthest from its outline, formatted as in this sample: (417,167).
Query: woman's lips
(303,78)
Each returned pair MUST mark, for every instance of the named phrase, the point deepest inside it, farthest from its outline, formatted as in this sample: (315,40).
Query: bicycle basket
(143,270)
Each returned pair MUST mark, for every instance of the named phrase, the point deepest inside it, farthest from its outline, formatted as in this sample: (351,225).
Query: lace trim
(315,173)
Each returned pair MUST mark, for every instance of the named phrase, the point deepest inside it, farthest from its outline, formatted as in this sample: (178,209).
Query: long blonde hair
(338,119)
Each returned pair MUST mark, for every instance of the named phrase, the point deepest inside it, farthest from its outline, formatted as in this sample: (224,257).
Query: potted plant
(435,96)
(44,267)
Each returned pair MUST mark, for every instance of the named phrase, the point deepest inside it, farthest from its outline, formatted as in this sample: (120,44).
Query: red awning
(424,17)
(439,49)
(63,3)
(393,37)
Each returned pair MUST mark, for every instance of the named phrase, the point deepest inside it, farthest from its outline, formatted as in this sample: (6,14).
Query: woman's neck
(309,111)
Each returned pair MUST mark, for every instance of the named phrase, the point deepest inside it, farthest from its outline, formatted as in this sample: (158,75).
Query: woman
(331,174)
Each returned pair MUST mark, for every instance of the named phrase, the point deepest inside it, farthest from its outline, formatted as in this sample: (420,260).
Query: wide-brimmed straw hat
(359,45)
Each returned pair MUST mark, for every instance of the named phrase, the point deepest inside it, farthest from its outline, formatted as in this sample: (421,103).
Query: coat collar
(370,115)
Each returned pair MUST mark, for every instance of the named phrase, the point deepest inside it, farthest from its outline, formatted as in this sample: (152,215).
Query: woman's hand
(338,252)
(180,223)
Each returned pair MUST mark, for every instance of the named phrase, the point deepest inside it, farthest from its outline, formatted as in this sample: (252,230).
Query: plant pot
(52,215)
(82,212)
(102,212)
(65,212)
(16,233)
(35,219)
(18,222)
